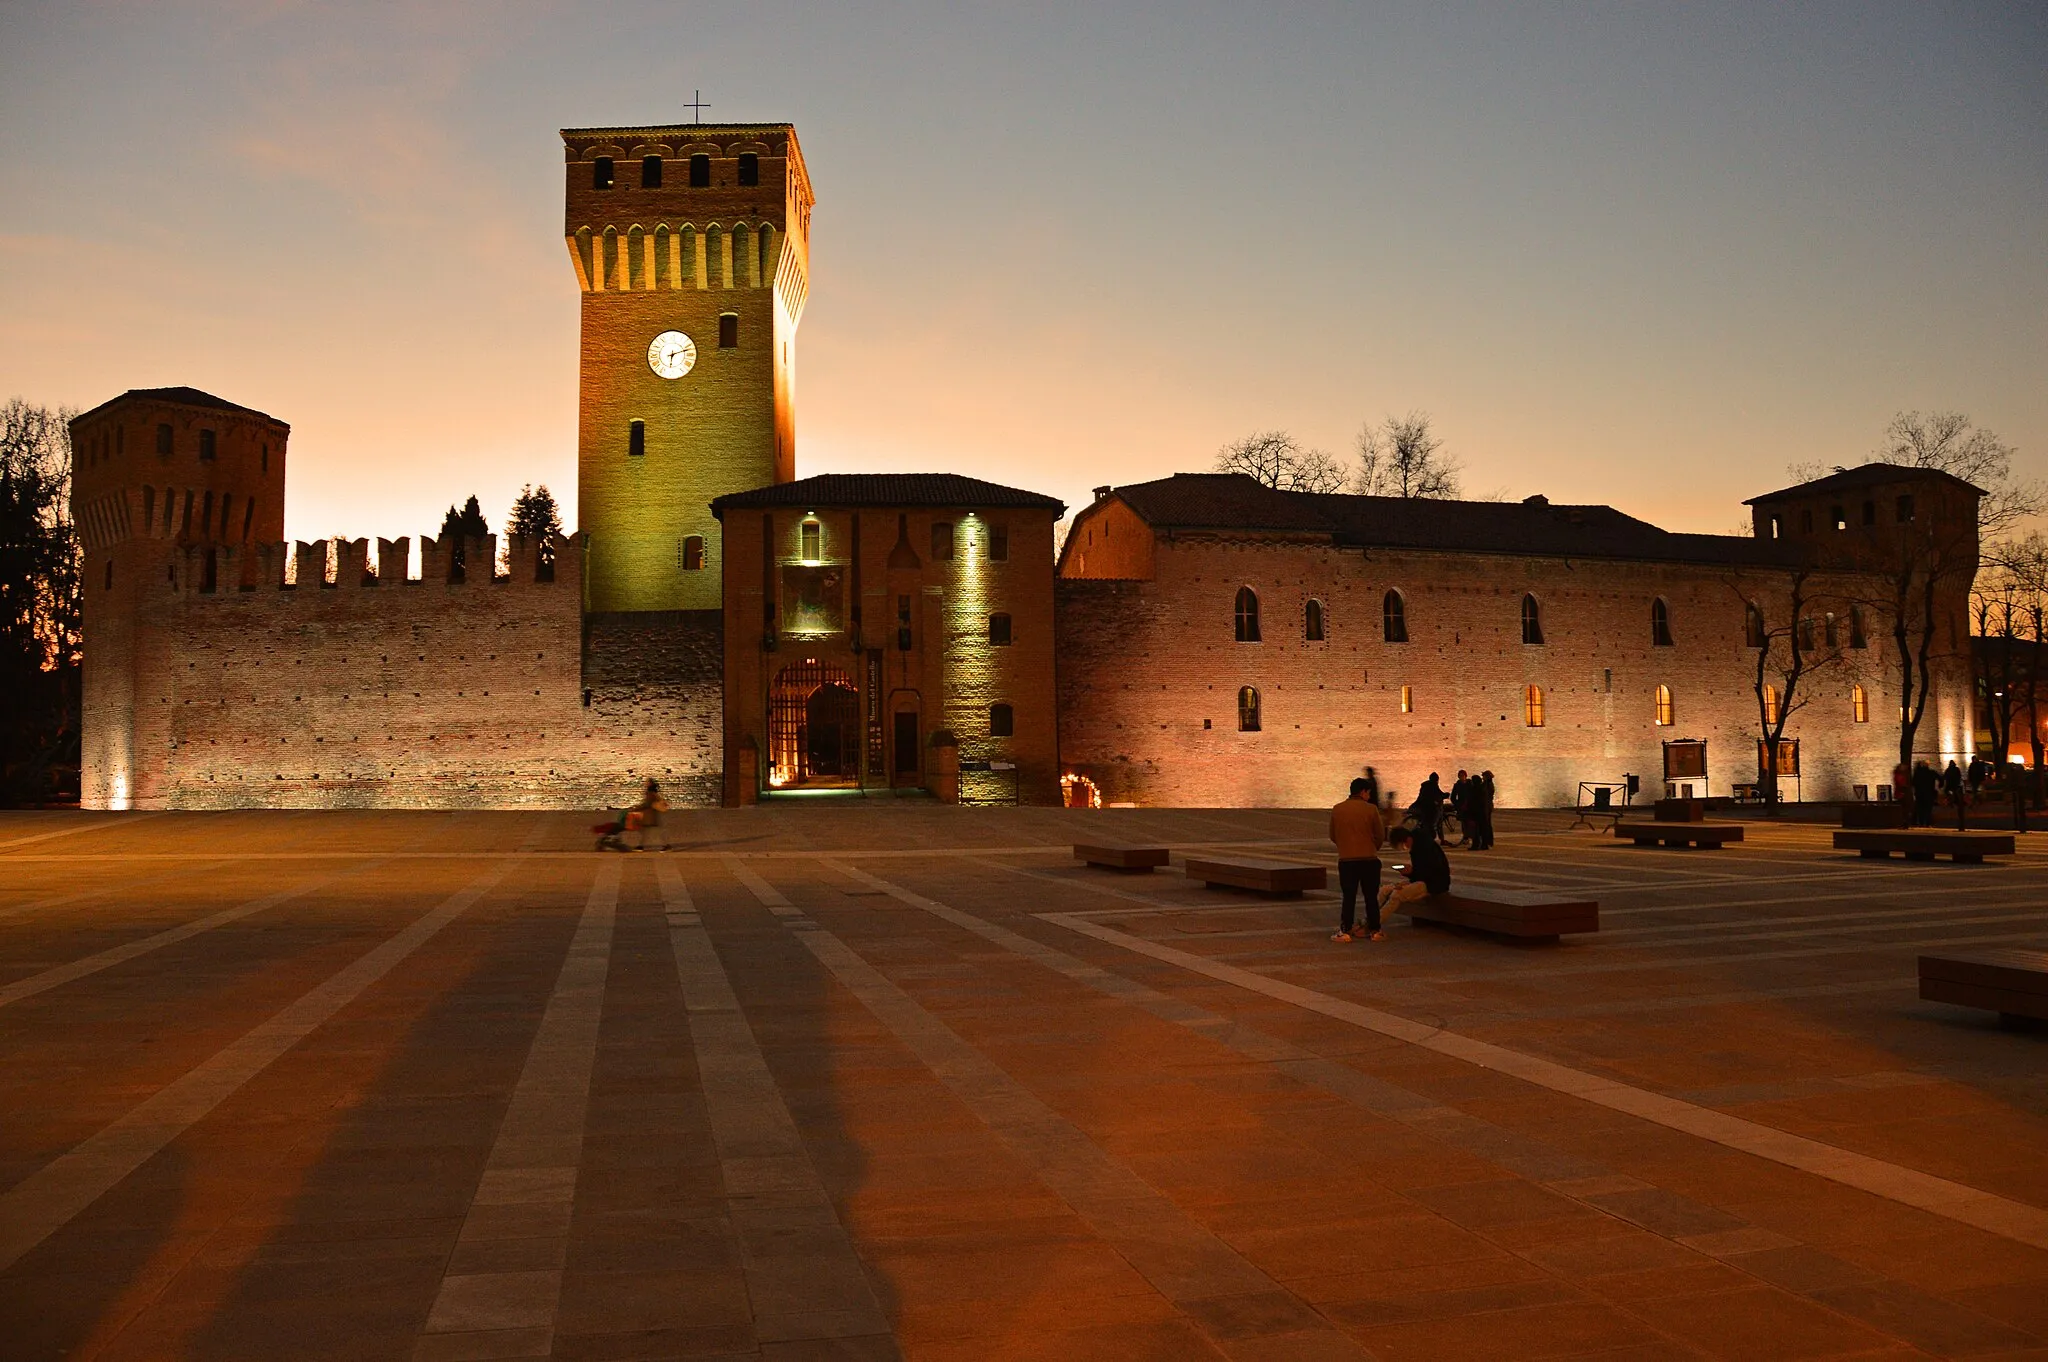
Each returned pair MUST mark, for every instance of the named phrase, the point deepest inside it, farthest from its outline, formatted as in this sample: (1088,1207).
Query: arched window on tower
(1859,704)
(1857,638)
(1753,625)
(1532,707)
(700,171)
(728,330)
(601,173)
(1312,622)
(1664,707)
(693,553)
(650,172)
(1247,710)
(1770,704)
(636,439)
(1532,620)
(750,168)
(1660,624)
(1247,615)
(1394,613)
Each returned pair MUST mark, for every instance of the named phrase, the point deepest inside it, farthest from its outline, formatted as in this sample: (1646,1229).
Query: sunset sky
(1640,254)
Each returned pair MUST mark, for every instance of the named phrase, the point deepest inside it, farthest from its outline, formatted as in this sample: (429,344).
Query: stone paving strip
(110,889)
(92,964)
(804,1279)
(95,825)
(503,1284)
(45,1201)
(1692,1225)
(1192,1268)
(1908,1186)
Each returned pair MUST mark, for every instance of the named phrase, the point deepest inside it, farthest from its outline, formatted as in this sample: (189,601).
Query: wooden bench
(1680,811)
(1881,813)
(1265,877)
(1521,914)
(2010,982)
(1924,844)
(1137,860)
(1708,835)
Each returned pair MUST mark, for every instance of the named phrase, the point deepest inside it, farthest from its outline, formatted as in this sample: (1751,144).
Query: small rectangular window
(750,168)
(728,330)
(998,631)
(636,439)
(163,439)
(1870,513)
(601,173)
(207,446)
(693,553)
(650,172)
(1840,518)
(813,541)
(700,171)
(999,543)
(942,539)
(1002,721)
(1407,699)
(1906,508)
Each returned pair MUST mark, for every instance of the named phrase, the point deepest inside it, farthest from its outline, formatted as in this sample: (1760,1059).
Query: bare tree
(1277,460)
(40,583)
(2009,609)
(1402,457)
(1950,442)
(1790,649)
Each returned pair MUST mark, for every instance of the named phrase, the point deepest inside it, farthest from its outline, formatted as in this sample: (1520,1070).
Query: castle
(734,632)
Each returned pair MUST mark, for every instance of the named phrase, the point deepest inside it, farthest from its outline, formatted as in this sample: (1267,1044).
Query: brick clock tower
(691,247)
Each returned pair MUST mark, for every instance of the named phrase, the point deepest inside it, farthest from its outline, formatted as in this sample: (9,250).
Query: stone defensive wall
(309,676)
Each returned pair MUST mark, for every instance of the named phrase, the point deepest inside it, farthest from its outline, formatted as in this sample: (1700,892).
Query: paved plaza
(844,1080)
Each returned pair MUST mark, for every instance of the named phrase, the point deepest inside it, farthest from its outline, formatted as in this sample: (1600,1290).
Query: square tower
(691,247)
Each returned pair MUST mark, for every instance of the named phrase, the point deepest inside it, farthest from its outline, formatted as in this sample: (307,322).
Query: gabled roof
(184,397)
(949,490)
(1234,502)
(1865,475)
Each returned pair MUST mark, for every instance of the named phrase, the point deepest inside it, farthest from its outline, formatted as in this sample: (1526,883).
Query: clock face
(672,354)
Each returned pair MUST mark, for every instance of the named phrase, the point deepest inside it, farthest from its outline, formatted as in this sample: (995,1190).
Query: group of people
(1957,789)
(1359,829)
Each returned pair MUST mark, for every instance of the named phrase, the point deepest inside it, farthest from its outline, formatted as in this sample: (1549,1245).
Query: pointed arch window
(1312,622)
(1859,704)
(1395,613)
(1247,615)
(1532,620)
(1247,710)
(1770,705)
(1532,707)
(1665,711)
(1753,625)
(1660,624)
(693,553)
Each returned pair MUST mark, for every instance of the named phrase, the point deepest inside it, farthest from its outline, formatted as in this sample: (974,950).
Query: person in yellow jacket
(1358,831)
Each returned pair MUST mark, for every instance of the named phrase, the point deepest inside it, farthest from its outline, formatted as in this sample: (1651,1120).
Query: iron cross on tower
(696,101)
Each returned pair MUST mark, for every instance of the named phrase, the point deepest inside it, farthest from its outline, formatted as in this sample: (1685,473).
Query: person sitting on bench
(1428,870)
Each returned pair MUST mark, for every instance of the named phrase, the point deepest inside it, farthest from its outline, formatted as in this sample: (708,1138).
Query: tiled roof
(184,397)
(1866,475)
(1232,501)
(887,489)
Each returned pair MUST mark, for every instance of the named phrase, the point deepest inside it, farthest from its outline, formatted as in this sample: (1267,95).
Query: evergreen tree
(466,524)
(536,516)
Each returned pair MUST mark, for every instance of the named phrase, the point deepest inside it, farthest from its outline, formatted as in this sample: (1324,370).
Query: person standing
(1952,790)
(1358,831)
(1372,787)
(1427,810)
(1461,806)
(1482,802)
(1926,785)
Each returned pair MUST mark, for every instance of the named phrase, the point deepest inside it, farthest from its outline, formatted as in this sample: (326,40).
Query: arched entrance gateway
(813,727)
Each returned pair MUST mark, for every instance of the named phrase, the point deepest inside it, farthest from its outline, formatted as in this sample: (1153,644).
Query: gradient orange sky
(1646,255)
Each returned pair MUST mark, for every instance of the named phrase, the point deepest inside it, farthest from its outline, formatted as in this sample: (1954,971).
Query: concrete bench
(1679,811)
(1881,813)
(2010,982)
(1521,914)
(1265,877)
(1708,835)
(1924,844)
(1130,859)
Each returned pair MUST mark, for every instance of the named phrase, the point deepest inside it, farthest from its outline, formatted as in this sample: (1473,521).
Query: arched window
(163,439)
(650,172)
(636,439)
(1806,634)
(700,171)
(1664,707)
(1532,620)
(1396,612)
(1002,721)
(750,168)
(1828,634)
(1247,615)
(601,173)
(1753,625)
(1859,704)
(1857,639)
(1312,622)
(693,553)
(1247,710)
(1777,526)
(1660,624)
(1532,707)
(1770,704)
(728,330)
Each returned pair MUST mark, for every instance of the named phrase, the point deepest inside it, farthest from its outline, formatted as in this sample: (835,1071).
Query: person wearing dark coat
(1952,789)
(1482,804)
(1926,785)
(1427,810)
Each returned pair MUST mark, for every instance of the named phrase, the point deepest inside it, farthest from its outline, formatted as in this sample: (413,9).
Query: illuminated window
(942,539)
(1247,710)
(1859,704)
(1407,699)
(1532,620)
(1312,622)
(1856,635)
(1660,624)
(601,173)
(998,631)
(999,543)
(693,553)
(700,171)
(1395,612)
(1753,625)
(1664,718)
(650,172)
(1002,721)
(1247,615)
(1770,704)
(813,541)
(163,440)
(728,330)
(750,168)
(1532,707)
(636,439)
(1905,508)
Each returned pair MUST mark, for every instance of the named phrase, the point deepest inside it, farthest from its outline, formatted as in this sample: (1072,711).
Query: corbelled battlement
(554,563)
